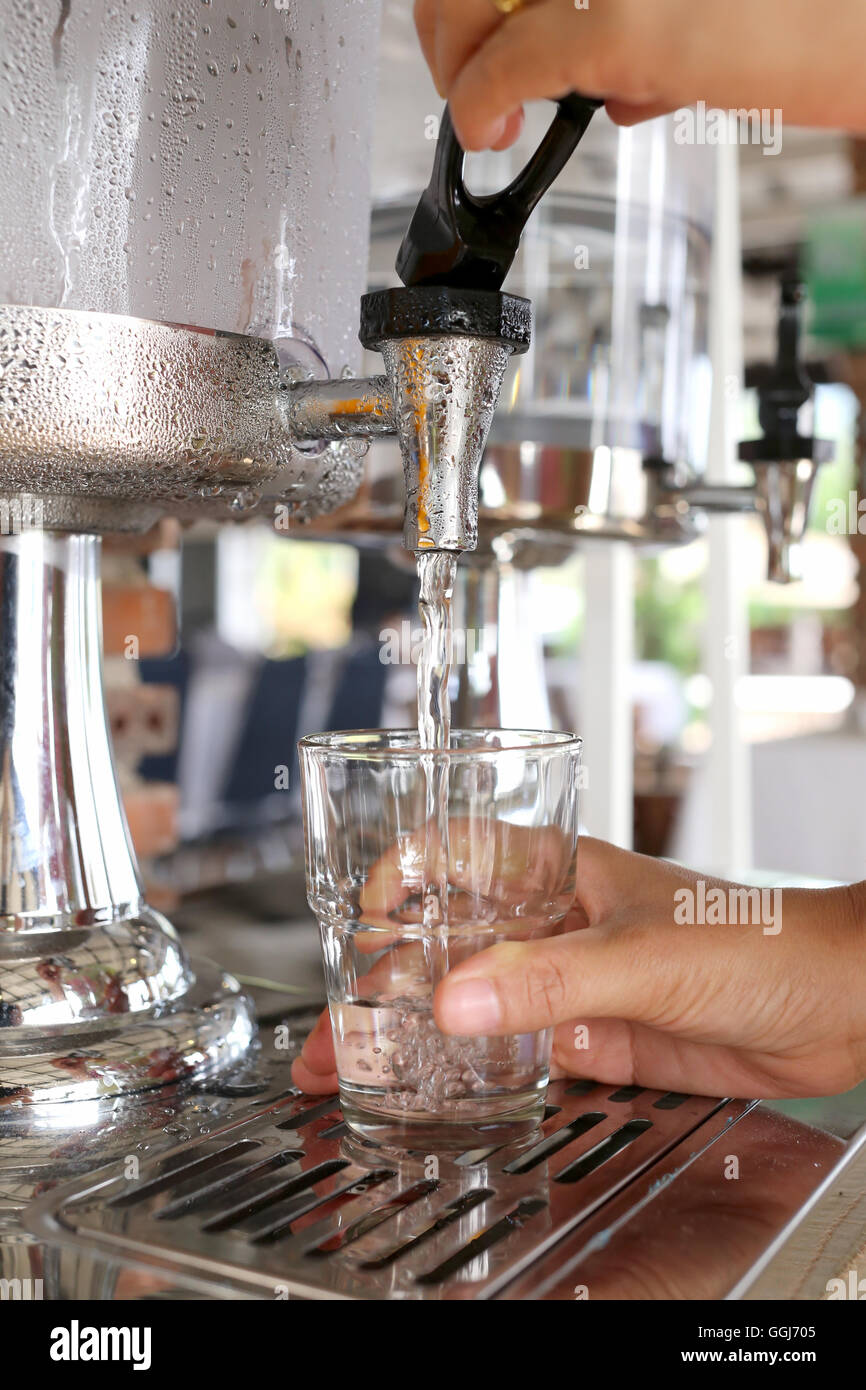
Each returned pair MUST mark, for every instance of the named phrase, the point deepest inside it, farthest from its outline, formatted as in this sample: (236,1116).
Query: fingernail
(470,1006)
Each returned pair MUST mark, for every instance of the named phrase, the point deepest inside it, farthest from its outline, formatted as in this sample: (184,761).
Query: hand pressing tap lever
(448,334)
(488,57)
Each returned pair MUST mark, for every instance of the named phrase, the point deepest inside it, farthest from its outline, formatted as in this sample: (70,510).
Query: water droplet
(244,500)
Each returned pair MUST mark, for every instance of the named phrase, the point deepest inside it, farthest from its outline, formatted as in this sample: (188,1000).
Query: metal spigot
(445,352)
(784,460)
(446,337)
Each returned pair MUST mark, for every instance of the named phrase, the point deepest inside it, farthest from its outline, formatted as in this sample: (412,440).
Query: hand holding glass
(416,860)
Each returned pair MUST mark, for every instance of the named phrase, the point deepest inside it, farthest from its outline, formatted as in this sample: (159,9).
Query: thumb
(520,987)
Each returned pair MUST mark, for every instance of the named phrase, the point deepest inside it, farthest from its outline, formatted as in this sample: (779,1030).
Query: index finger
(450,31)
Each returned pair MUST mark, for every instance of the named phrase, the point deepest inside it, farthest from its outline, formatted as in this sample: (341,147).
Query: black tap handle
(469,242)
(787,387)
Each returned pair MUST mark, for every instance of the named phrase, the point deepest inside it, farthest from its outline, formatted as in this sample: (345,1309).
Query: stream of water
(436,573)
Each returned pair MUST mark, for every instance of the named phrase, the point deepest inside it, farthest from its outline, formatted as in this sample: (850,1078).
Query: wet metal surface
(287,1200)
(242,1188)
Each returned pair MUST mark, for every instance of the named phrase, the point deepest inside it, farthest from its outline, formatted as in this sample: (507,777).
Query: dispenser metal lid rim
(438,311)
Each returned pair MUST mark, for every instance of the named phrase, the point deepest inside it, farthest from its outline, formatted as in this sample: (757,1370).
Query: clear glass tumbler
(416,859)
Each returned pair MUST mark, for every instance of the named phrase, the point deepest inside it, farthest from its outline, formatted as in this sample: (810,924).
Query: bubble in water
(432,1067)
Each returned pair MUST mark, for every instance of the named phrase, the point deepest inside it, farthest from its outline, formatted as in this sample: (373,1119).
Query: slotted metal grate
(287,1203)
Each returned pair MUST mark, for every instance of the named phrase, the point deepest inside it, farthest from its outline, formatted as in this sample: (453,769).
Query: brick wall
(140,620)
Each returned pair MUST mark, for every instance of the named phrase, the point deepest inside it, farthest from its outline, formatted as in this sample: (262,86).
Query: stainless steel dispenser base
(290,1203)
(622,1194)
(108,422)
(241,1188)
(97,997)
(204,1025)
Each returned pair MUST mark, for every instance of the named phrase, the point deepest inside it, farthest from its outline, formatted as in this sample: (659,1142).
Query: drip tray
(288,1203)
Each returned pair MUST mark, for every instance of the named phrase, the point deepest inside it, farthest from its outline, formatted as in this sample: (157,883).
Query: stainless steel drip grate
(288,1203)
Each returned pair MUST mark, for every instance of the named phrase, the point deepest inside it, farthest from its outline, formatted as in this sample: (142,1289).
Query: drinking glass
(417,859)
